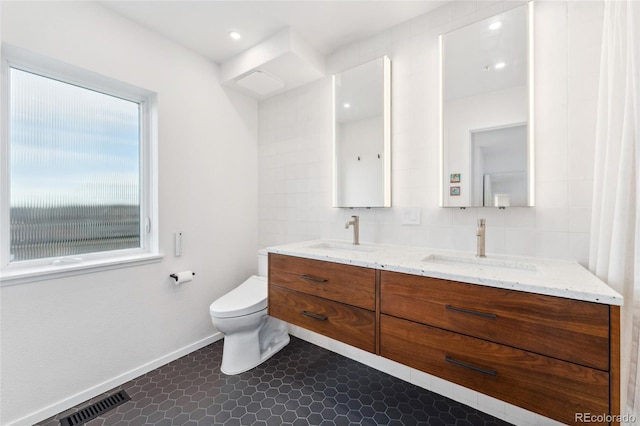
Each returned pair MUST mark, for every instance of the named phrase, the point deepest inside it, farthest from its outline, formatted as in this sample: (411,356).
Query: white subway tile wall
(295,142)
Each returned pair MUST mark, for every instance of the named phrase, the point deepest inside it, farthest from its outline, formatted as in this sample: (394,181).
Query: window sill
(50,272)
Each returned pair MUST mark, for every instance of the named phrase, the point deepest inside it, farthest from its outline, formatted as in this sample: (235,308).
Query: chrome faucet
(355,221)
(480,232)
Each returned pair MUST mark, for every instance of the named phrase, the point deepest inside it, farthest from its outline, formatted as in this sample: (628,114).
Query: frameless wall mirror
(362,135)
(487,112)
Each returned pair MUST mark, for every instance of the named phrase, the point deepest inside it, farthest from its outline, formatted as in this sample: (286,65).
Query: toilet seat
(249,297)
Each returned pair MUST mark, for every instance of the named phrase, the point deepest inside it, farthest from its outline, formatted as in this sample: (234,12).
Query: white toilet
(250,335)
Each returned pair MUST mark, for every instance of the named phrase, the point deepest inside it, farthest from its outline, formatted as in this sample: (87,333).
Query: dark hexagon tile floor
(301,385)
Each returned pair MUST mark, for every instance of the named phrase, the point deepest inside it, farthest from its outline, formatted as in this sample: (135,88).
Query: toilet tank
(263,263)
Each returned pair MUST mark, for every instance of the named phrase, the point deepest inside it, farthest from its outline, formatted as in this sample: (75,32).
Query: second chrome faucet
(480,233)
(355,221)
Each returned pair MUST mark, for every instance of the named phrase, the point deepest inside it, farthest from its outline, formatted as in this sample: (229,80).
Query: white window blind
(74,169)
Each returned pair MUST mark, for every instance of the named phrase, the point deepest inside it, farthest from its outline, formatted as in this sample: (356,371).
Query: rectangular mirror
(362,135)
(486,105)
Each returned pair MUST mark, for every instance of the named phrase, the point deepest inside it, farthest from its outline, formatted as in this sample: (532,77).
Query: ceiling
(204,26)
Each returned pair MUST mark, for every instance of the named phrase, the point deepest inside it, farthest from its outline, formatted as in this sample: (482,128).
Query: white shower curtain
(615,227)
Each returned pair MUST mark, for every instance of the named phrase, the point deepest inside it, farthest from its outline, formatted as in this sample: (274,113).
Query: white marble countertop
(550,277)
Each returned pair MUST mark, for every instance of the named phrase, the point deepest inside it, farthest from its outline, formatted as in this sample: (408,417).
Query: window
(77,166)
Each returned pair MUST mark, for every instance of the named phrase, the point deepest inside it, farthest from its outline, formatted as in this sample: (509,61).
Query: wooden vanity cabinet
(332,299)
(547,354)
(550,355)
(545,385)
(566,329)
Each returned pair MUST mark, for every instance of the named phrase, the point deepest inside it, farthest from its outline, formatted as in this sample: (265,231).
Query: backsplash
(295,145)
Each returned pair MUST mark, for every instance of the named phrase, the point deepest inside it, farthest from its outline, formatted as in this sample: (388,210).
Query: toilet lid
(247,298)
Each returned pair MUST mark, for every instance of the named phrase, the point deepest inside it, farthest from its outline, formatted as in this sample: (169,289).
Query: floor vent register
(94,410)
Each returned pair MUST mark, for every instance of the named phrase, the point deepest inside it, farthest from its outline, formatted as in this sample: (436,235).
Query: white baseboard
(103,387)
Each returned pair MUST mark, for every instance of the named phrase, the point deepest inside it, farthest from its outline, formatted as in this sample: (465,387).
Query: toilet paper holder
(175,276)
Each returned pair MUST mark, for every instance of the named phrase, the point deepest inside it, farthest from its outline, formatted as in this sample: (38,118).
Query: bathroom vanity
(336,300)
(539,334)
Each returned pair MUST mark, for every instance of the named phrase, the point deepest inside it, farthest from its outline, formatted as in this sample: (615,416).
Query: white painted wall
(66,340)
(295,142)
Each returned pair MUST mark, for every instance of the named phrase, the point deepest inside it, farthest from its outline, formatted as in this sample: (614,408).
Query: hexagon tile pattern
(301,385)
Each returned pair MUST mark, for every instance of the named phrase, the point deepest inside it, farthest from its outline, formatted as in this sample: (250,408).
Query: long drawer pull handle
(469,311)
(310,278)
(470,366)
(314,316)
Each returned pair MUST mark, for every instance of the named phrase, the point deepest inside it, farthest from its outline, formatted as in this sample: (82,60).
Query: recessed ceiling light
(499,65)
(235,35)
(495,25)
(346,105)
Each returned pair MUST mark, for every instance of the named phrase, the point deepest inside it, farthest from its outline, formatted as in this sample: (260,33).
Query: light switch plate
(178,243)
(411,216)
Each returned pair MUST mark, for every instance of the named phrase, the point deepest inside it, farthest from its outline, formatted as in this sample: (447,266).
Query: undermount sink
(480,262)
(342,246)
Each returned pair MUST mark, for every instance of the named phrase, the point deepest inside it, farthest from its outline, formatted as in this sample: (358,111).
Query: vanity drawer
(570,330)
(551,387)
(351,325)
(352,285)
